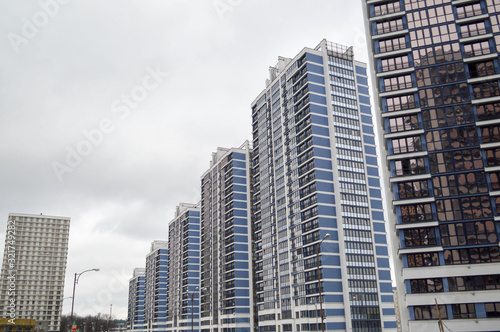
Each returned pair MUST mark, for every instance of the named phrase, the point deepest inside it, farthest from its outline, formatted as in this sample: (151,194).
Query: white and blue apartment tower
(436,77)
(156,287)
(226,243)
(184,269)
(321,254)
(136,298)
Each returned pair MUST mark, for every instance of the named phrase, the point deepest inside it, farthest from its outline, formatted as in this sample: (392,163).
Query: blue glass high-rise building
(436,73)
(156,287)
(136,297)
(321,255)
(226,242)
(184,269)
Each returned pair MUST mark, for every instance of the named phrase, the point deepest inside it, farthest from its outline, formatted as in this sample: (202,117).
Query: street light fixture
(327,235)
(77,276)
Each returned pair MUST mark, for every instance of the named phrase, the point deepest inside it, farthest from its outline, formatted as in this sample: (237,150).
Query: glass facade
(321,257)
(436,70)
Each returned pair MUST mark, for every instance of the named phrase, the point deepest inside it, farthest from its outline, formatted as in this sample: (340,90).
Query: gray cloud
(64,80)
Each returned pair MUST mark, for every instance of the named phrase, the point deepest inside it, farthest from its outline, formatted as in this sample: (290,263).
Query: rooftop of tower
(332,49)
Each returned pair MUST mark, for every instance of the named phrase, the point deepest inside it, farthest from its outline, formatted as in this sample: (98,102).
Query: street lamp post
(327,235)
(110,311)
(192,307)
(77,276)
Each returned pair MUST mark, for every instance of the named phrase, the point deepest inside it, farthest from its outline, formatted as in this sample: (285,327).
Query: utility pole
(440,323)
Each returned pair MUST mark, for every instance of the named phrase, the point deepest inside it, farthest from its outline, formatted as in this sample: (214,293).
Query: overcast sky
(110,110)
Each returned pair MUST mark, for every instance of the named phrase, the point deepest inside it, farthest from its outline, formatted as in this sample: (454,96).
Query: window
(341,71)
(409,166)
(495,180)
(348,143)
(307,190)
(488,111)
(468,233)
(477,49)
(338,120)
(389,26)
(471,255)
(343,92)
(343,111)
(463,311)
(386,8)
(444,95)
(353,199)
(492,309)
(420,237)
(343,101)
(306,167)
(361,271)
(311,237)
(339,62)
(416,212)
(397,83)
(358,246)
(434,35)
(393,44)
(426,312)
(403,123)
(490,134)
(354,233)
(423,259)
(432,285)
(473,29)
(345,153)
(495,19)
(348,132)
(306,179)
(366,325)
(460,184)
(309,213)
(448,116)
(406,144)
(493,6)
(464,208)
(485,89)
(493,156)
(428,16)
(302,136)
(455,161)
(360,258)
(437,54)
(447,73)
(399,103)
(359,210)
(497,204)
(337,81)
(396,63)
(300,115)
(413,189)
(472,283)
(299,128)
(469,10)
